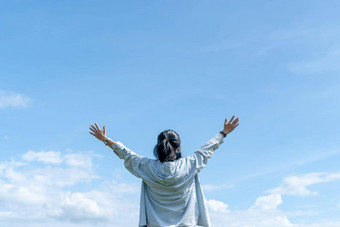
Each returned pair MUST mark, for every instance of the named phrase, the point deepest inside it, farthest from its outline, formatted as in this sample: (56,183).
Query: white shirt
(171,193)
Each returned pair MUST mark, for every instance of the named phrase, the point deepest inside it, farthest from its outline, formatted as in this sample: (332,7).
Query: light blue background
(141,67)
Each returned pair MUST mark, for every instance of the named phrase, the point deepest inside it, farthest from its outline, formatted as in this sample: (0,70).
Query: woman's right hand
(231,125)
(99,134)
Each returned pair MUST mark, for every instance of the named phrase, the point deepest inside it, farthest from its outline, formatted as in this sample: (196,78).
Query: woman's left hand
(101,135)
(231,125)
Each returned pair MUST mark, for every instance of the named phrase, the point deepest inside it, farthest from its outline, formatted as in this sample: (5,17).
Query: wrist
(107,140)
(223,133)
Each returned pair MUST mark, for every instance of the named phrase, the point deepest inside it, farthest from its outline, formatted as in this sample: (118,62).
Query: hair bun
(168,146)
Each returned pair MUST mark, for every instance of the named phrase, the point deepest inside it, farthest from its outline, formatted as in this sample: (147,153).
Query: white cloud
(61,176)
(52,157)
(296,185)
(41,194)
(48,195)
(265,213)
(78,160)
(217,206)
(259,217)
(10,99)
(20,194)
(6,214)
(55,157)
(323,224)
(267,202)
(250,218)
(76,207)
(262,214)
(211,187)
(109,203)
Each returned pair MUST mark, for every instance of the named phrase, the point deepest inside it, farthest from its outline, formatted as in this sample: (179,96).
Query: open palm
(231,125)
(101,135)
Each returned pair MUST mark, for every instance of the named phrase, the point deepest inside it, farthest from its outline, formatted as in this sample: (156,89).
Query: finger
(236,125)
(235,121)
(97,126)
(225,121)
(92,133)
(104,130)
(92,130)
(231,119)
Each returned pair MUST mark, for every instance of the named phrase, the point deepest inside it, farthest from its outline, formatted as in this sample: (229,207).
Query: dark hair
(168,147)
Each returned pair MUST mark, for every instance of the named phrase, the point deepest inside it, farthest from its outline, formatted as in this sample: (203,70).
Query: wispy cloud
(55,157)
(43,156)
(11,99)
(211,187)
(315,157)
(325,64)
(297,185)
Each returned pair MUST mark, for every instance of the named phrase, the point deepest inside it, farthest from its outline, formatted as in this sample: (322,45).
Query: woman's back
(171,193)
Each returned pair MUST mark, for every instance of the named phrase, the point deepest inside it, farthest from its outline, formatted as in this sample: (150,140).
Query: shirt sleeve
(200,157)
(133,162)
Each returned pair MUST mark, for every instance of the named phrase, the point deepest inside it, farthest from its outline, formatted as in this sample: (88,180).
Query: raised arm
(200,157)
(132,161)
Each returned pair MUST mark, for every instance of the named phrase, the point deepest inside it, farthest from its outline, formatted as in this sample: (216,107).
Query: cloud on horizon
(40,188)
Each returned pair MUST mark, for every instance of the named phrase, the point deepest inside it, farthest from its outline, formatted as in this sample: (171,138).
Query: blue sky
(141,67)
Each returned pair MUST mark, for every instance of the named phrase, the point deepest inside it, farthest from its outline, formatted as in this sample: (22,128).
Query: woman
(171,192)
